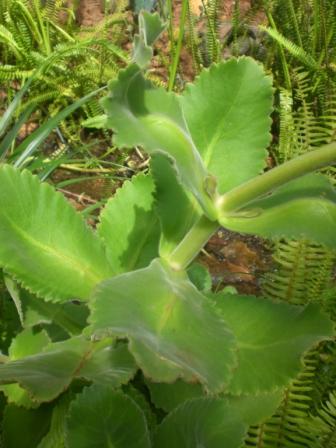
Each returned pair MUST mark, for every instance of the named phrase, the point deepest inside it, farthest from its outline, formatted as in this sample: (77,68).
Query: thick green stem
(240,196)
(269,181)
(192,243)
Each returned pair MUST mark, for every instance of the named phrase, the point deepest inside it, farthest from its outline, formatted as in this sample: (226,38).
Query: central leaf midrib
(210,147)
(65,259)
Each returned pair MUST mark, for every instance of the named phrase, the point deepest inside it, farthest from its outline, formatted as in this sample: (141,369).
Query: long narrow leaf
(12,134)
(31,143)
(10,111)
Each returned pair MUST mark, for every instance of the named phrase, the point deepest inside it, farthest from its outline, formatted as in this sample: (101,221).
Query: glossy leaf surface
(299,209)
(227,110)
(129,226)
(44,243)
(173,330)
(271,339)
(101,418)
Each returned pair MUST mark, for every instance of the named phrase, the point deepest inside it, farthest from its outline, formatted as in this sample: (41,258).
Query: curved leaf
(129,226)
(44,243)
(271,339)
(150,28)
(201,422)
(300,209)
(173,329)
(47,374)
(177,210)
(24,428)
(36,138)
(140,114)
(214,423)
(101,418)
(228,111)
(24,344)
(168,396)
(55,438)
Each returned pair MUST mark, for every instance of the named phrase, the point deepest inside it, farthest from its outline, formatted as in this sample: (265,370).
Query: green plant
(115,335)
(75,61)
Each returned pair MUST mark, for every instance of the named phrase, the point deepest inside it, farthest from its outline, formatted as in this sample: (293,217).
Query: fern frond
(192,40)
(293,49)
(12,72)
(287,146)
(302,273)
(211,11)
(323,426)
(281,430)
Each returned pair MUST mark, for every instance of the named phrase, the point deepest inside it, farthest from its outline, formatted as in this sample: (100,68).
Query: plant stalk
(269,181)
(192,243)
(240,196)
(178,48)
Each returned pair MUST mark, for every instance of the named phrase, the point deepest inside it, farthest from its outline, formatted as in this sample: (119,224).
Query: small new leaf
(150,28)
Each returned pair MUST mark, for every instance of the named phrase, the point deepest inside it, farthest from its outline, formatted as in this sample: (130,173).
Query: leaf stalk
(239,197)
(192,243)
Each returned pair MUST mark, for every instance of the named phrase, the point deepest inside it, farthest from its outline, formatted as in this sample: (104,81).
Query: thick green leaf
(48,373)
(228,111)
(168,396)
(101,418)
(139,395)
(25,344)
(271,339)
(24,428)
(254,409)
(32,310)
(173,330)
(214,423)
(44,243)
(150,28)
(109,365)
(300,209)
(96,122)
(143,115)
(55,438)
(201,422)
(200,277)
(177,210)
(129,226)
